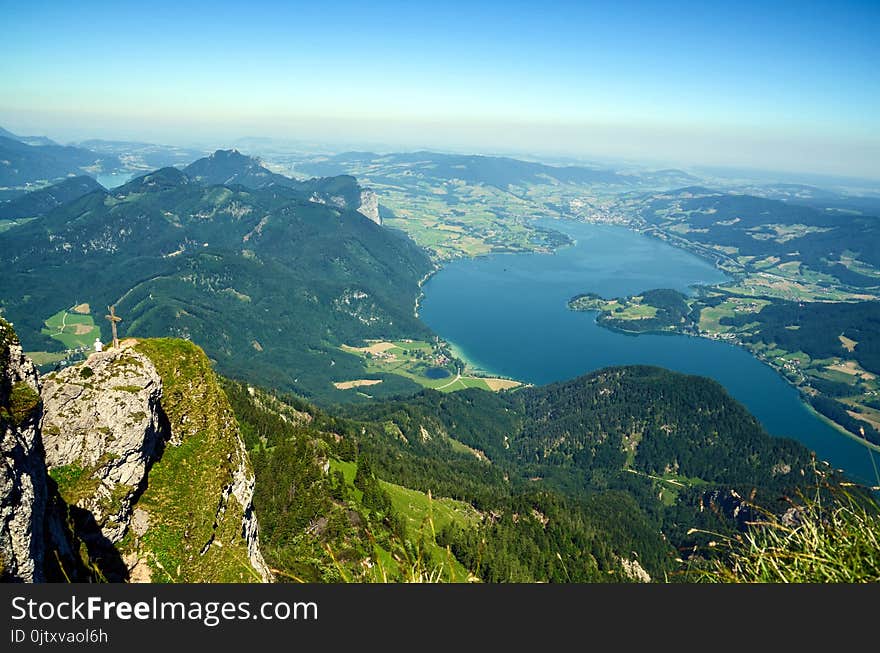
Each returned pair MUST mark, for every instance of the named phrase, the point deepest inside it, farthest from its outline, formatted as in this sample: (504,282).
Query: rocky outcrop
(369,206)
(138,473)
(22,467)
(634,571)
(101,433)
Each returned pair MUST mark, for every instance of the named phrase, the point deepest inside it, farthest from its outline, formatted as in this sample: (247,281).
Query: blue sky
(791,85)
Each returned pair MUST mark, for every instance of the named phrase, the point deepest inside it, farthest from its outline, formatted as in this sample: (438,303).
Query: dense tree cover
(583,480)
(601,441)
(832,388)
(232,168)
(267,281)
(579,435)
(670,302)
(819,325)
(314,526)
(672,312)
(411,444)
(666,422)
(29,163)
(840,414)
(743,221)
(40,202)
(547,538)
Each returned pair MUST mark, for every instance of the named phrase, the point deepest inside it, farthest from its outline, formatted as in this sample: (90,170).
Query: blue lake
(114,179)
(507,314)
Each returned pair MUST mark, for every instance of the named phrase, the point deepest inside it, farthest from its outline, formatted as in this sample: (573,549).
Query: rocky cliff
(148,478)
(101,432)
(22,467)
(369,206)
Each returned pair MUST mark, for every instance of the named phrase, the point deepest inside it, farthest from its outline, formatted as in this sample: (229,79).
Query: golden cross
(113,318)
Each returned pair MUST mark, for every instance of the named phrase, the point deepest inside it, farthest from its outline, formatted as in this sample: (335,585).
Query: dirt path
(63,325)
(455,380)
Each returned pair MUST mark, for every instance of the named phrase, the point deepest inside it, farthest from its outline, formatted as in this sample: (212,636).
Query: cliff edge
(126,467)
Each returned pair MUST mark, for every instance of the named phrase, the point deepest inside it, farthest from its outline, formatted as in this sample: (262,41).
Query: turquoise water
(114,179)
(507,314)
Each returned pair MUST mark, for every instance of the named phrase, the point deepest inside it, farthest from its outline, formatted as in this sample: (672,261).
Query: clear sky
(787,85)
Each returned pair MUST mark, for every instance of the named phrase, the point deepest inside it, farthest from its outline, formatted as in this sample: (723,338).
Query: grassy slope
(184,485)
(424,516)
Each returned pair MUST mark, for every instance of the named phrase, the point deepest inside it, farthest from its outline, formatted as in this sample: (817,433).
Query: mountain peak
(233,154)
(229,167)
(160,179)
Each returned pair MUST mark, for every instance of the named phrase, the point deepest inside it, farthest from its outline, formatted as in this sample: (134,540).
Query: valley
(456,359)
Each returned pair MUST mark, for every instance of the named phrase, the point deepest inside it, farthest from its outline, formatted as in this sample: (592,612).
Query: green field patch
(710,318)
(849,260)
(418,361)
(834,375)
(71,329)
(46,357)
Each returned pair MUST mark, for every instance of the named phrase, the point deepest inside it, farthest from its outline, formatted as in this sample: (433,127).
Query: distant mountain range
(27,160)
(491,170)
(30,140)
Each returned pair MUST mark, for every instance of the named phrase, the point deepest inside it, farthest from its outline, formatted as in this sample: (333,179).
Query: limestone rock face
(22,468)
(370,206)
(150,478)
(101,432)
(242,489)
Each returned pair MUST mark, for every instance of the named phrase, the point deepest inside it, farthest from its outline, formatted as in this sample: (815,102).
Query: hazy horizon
(789,87)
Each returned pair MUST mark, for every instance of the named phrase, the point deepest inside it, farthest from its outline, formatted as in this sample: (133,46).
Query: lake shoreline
(508,317)
(714,259)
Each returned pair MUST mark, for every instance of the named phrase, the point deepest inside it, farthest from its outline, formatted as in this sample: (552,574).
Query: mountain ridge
(173,254)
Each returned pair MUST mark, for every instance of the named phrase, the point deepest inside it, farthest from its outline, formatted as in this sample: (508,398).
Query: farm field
(73,327)
(429,365)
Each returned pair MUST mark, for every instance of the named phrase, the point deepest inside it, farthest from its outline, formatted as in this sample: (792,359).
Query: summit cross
(113,319)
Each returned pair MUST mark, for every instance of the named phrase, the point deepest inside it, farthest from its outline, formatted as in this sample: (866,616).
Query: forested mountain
(40,202)
(616,457)
(22,164)
(761,227)
(271,281)
(231,167)
(577,435)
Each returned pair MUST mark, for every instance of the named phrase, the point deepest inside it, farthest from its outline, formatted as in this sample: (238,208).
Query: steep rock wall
(22,467)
